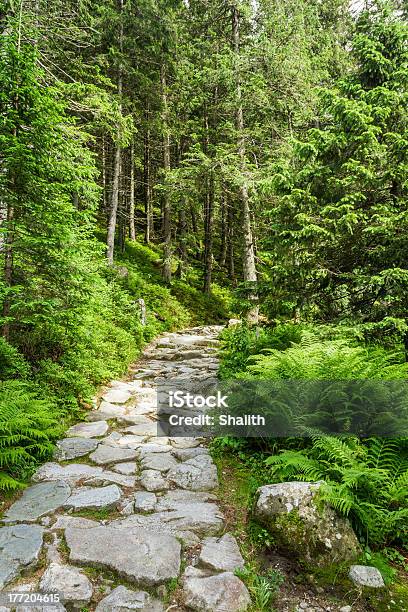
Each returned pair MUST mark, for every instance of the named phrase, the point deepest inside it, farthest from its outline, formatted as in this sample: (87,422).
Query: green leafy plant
(366,481)
(262,587)
(28,427)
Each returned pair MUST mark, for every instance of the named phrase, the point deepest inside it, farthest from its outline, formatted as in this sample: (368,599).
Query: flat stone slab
(88,430)
(112,411)
(94,497)
(20,546)
(139,555)
(72,473)
(117,396)
(70,448)
(150,448)
(217,593)
(74,587)
(366,576)
(144,501)
(105,455)
(152,480)
(65,520)
(38,500)
(194,475)
(221,554)
(128,468)
(163,462)
(108,477)
(176,498)
(184,442)
(183,454)
(148,428)
(201,519)
(130,441)
(124,600)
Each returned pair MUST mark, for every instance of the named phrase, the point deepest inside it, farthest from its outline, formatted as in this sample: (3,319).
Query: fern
(366,481)
(28,426)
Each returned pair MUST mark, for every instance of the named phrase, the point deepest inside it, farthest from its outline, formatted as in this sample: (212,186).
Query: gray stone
(117,396)
(88,430)
(130,441)
(221,554)
(163,462)
(127,468)
(20,546)
(315,535)
(153,447)
(124,600)
(220,593)
(144,427)
(183,454)
(366,576)
(69,448)
(72,473)
(152,480)
(112,411)
(71,583)
(176,498)
(138,555)
(201,519)
(109,454)
(65,520)
(38,500)
(94,497)
(108,477)
(142,424)
(194,476)
(346,609)
(144,501)
(112,440)
(184,442)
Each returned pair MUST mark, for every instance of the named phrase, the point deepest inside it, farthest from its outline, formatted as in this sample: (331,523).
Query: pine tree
(340,221)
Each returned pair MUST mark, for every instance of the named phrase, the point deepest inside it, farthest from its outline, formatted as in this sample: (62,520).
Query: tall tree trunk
(208,215)
(166,198)
(248,262)
(230,244)
(147,179)
(208,233)
(132,230)
(182,241)
(223,232)
(104,179)
(117,158)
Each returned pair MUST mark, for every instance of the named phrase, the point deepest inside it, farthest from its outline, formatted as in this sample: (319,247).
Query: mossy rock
(313,533)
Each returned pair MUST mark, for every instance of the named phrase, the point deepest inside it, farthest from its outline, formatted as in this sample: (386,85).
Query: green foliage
(28,427)
(365,480)
(262,587)
(315,359)
(339,197)
(241,342)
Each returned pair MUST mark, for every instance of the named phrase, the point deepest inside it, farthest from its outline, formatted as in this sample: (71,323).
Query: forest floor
(121,507)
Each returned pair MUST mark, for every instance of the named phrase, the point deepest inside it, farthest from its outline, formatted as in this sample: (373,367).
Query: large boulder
(311,531)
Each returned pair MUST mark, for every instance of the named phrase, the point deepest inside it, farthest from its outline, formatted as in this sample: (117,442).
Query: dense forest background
(205,159)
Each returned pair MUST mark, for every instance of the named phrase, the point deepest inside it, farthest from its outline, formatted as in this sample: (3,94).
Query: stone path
(123,519)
